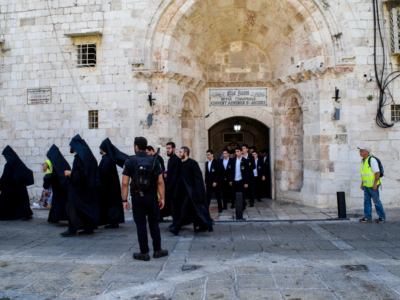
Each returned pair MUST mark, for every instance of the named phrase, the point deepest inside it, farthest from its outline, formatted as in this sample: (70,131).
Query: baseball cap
(365,148)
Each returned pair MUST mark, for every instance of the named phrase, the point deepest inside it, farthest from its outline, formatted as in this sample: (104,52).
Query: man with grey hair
(370,176)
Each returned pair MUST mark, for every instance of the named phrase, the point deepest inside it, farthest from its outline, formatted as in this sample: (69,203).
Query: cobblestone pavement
(263,260)
(273,210)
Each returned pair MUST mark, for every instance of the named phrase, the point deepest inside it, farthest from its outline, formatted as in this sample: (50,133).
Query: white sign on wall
(39,96)
(238,97)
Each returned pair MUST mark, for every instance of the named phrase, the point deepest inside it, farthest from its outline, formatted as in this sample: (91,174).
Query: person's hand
(67,173)
(161,202)
(230,183)
(263,178)
(362,187)
(127,207)
(246,186)
(375,187)
(214,184)
(205,185)
(165,175)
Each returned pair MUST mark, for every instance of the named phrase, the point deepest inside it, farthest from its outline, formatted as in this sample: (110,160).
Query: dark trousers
(238,187)
(258,188)
(217,191)
(226,192)
(251,189)
(176,206)
(142,207)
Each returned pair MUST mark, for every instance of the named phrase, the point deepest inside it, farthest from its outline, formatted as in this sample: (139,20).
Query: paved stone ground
(272,210)
(263,260)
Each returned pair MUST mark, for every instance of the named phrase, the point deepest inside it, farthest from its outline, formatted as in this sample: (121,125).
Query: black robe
(193,182)
(110,198)
(83,203)
(59,183)
(14,198)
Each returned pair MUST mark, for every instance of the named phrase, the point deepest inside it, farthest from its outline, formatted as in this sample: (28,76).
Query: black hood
(89,161)
(59,164)
(20,171)
(116,156)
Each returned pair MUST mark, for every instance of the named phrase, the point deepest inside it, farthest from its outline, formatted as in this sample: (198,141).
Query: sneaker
(141,256)
(68,233)
(380,220)
(365,220)
(160,253)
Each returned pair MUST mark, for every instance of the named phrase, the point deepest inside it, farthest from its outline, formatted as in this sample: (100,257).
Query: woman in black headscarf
(83,203)
(110,199)
(59,183)
(14,198)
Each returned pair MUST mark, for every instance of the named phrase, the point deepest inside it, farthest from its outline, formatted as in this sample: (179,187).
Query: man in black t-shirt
(144,202)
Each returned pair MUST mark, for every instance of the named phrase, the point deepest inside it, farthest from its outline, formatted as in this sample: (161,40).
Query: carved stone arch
(192,125)
(290,136)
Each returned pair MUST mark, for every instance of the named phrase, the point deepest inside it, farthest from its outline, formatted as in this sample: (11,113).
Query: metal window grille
(395,110)
(394,21)
(93,119)
(86,55)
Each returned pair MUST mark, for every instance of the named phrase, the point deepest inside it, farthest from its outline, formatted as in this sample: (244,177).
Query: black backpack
(379,164)
(143,167)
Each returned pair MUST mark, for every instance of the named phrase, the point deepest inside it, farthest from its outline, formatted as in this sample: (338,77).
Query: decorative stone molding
(187,81)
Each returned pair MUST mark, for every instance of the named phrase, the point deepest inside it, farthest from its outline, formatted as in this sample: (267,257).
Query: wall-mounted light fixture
(237,127)
(336,95)
(150,99)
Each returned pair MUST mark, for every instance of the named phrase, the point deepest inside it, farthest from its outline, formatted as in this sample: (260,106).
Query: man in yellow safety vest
(370,176)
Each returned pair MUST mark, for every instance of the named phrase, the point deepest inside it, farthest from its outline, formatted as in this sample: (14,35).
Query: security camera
(369,79)
(365,74)
(299,64)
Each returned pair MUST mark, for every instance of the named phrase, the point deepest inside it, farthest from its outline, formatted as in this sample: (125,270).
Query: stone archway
(289,161)
(192,125)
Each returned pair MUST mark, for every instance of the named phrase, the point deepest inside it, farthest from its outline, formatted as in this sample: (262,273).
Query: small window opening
(93,119)
(86,56)
(395,110)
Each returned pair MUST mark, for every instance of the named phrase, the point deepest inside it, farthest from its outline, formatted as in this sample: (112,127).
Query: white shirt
(209,165)
(225,162)
(246,156)
(255,170)
(265,158)
(238,173)
(374,165)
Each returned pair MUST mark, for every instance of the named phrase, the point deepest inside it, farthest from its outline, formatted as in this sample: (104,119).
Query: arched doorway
(252,132)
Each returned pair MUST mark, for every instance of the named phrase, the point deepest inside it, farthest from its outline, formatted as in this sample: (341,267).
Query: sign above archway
(238,96)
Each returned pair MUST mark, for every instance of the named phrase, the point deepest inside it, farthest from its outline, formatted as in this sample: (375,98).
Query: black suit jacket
(244,170)
(260,168)
(225,174)
(173,172)
(215,169)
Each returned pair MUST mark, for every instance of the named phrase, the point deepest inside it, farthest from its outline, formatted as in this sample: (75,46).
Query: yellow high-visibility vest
(367,175)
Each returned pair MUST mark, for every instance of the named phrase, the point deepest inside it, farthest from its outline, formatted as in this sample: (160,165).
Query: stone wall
(177,50)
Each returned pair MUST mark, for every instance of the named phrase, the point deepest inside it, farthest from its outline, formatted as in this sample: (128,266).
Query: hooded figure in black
(195,206)
(59,184)
(83,203)
(14,198)
(110,199)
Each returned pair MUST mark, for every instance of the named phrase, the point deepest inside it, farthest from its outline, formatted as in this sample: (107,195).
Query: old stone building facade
(88,66)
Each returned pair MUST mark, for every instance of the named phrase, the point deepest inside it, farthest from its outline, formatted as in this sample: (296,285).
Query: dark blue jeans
(368,194)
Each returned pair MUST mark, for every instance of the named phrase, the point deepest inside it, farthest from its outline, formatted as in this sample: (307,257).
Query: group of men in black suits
(246,172)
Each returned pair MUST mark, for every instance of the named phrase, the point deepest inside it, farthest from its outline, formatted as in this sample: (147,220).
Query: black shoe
(173,230)
(68,233)
(258,200)
(170,226)
(160,253)
(244,204)
(200,230)
(112,226)
(252,204)
(233,206)
(141,256)
(224,208)
(219,211)
(87,231)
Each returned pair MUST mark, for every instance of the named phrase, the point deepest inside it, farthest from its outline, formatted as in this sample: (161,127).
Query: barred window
(86,56)
(93,119)
(395,110)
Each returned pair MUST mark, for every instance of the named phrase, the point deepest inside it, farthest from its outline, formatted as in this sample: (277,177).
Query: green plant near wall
(370,97)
